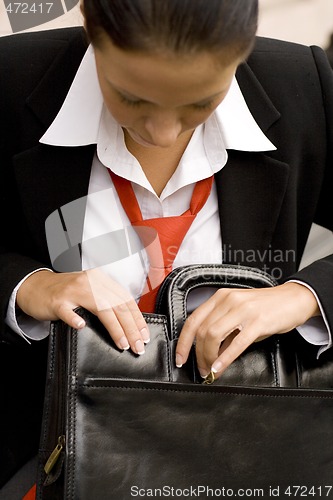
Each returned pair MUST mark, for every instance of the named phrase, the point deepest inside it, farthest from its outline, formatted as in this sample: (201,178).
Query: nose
(163,129)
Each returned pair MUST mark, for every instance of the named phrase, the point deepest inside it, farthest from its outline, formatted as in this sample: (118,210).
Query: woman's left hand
(232,319)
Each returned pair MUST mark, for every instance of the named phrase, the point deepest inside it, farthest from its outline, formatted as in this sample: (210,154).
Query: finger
(203,366)
(134,325)
(225,344)
(190,330)
(108,318)
(118,312)
(208,341)
(66,314)
(140,321)
(211,345)
(127,326)
(239,343)
(214,335)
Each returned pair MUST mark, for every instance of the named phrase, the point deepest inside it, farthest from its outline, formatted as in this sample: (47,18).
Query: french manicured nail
(123,343)
(217,366)
(145,335)
(179,360)
(139,347)
(79,323)
(203,374)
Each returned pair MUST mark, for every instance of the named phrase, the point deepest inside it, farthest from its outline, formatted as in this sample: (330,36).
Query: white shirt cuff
(316,330)
(26,326)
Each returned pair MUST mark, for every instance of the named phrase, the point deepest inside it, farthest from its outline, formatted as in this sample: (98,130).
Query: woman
(157,93)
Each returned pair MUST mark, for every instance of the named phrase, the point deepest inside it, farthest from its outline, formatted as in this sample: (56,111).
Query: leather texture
(138,421)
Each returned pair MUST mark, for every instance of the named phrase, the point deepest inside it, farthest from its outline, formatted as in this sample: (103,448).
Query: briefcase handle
(172,297)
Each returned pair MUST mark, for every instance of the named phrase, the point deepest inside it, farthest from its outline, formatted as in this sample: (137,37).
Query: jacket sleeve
(25,59)
(319,274)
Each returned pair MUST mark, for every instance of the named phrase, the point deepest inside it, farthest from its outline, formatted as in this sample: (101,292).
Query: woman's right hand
(46,295)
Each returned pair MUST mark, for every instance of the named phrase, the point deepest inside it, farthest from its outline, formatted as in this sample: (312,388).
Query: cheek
(122,117)
(192,120)
(120,112)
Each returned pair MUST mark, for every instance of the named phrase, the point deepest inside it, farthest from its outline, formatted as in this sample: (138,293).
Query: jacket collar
(68,52)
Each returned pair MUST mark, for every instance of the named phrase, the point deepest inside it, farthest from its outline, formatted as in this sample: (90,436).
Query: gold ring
(209,379)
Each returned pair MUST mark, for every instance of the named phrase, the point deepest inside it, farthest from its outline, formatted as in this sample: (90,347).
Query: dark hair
(177,25)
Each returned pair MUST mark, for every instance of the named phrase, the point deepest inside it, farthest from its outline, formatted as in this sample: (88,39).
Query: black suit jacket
(267,201)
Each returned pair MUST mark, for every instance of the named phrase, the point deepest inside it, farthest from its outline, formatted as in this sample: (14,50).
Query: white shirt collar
(79,120)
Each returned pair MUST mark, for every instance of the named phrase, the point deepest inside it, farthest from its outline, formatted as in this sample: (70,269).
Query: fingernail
(203,373)
(179,360)
(216,367)
(123,343)
(139,347)
(79,323)
(145,335)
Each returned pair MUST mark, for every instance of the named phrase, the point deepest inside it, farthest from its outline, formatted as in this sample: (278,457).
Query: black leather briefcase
(118,426)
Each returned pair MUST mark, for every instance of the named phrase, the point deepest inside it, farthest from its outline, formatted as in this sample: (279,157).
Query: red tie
(161,237)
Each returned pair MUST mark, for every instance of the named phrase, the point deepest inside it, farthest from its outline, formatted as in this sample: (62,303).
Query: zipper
(59,339)
(53,458)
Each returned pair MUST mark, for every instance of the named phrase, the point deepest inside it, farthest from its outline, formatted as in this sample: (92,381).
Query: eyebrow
(131,96)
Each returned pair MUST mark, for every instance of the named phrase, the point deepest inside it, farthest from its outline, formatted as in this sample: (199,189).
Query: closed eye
(203,106)
(131,102)
(136,102)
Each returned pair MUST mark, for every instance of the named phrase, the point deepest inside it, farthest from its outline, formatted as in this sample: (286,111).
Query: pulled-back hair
(178,25)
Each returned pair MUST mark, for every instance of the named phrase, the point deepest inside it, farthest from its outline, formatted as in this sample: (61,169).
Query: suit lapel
(68,54)
(56,176)
(251,187)
(260,105)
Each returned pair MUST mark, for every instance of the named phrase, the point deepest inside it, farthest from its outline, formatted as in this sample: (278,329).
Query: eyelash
(128,102)
(135,104)
(202,107)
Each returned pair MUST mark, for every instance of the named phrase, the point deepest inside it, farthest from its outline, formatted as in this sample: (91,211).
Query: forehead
(164,77)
